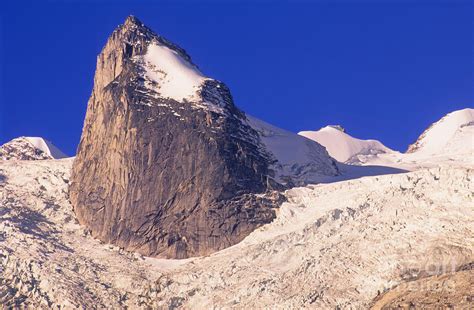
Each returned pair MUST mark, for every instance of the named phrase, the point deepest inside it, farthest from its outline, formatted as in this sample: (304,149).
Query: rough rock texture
(451,290)
(165,177)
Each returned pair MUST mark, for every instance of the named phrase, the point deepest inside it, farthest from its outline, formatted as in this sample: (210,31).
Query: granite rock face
(160,176)
(167,165)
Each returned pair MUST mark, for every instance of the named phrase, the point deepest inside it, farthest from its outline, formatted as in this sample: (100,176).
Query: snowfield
(177,78)
(47,147)
(343,147)
(438,137)
(297,158)
(337,244)
(448,141)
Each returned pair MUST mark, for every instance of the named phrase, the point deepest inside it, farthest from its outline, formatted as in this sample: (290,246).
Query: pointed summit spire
(132,20)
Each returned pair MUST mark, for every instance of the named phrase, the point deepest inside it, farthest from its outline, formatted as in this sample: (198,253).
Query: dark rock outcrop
(162,176)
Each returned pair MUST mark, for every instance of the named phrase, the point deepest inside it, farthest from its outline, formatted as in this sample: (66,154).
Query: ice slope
(30,148)
(331,245)
(462,141)
(47,147)
(176,77)
(440,137)
(343,147)
(167,72)
(447,141)
(298,159)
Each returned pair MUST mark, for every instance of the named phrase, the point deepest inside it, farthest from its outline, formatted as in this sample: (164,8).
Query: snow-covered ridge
(438,136)
(451,139)
(172,75)
(344,147)
(47,147)
(30,148)
(169,73)
(298,159)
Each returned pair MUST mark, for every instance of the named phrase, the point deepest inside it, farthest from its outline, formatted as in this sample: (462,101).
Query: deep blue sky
(383,69)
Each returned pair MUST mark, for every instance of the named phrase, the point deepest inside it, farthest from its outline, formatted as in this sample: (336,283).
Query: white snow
(342,146)
(30,148)
(462,141)
(449,140)
(298,157)
(436,138)
(46,146)
(176,78)
(331,245)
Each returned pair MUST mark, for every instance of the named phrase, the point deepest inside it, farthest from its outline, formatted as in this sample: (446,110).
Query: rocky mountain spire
(167,165)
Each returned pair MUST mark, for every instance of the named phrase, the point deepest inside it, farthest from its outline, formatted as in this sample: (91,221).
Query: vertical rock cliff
(167,165)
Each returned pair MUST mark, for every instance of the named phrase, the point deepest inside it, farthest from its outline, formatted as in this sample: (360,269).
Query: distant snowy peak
(444,136)
(298,160)
(30,148)
(343,147)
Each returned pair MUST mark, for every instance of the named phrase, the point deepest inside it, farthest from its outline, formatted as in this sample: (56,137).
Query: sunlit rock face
(162,170)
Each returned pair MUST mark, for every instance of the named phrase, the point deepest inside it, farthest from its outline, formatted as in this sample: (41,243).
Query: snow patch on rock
(175,77)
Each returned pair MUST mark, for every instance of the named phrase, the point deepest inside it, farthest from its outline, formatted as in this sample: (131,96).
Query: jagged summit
(338,127)
(132,20)
(30,148)
(164,70)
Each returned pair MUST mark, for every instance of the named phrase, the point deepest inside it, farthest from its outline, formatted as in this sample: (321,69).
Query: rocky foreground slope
(341,244)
